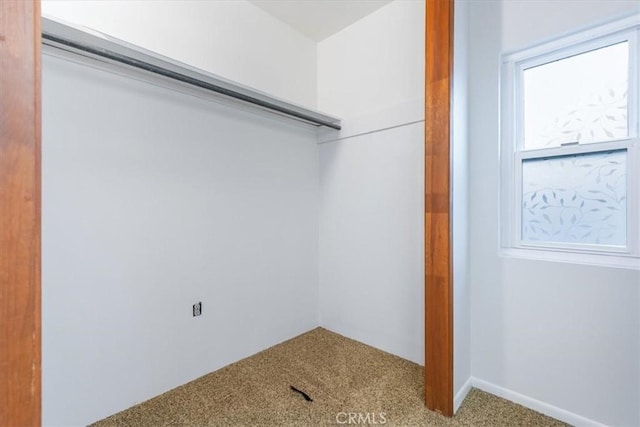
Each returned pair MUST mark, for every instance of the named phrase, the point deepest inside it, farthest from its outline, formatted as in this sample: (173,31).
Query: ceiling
(319,19)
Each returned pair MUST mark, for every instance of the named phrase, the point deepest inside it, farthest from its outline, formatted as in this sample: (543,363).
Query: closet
(163,187)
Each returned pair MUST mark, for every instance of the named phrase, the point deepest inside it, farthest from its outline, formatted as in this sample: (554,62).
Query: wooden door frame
(438,254)
(20,359)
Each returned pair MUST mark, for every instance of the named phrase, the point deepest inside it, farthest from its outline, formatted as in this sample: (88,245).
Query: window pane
(577,199)
(581,98)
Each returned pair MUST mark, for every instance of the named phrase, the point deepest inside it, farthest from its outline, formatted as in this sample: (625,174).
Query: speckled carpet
(350,384)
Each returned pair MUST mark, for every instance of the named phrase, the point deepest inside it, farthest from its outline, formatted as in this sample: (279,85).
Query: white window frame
(513,154)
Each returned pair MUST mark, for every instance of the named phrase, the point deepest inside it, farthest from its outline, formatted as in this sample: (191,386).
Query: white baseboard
(461,394)
(536,405)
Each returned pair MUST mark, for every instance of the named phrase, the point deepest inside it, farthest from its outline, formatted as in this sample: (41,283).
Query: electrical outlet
(197,309)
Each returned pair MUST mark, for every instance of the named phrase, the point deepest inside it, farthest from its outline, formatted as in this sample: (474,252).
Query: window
(569,149)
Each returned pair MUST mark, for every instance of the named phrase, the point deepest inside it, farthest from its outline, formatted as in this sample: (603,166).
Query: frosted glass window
(579,198)
(582,98)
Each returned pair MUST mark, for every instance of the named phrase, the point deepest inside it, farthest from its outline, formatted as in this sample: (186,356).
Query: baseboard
(536,405)
(461,394)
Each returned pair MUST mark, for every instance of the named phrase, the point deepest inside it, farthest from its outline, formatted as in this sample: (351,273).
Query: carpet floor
(350,383)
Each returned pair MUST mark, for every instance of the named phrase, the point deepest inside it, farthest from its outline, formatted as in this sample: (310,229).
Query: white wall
(371,263)
(154,200)
(460,204)
(371,177)
(375,66)
(231,38)
(560,336)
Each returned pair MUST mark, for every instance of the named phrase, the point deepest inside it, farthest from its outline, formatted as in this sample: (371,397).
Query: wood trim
(20,213)
(438,262)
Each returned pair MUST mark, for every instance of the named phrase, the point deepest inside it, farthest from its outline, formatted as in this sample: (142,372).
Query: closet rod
(57,40)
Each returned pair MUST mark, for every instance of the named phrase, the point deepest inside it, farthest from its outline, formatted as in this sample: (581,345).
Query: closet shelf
(109,51)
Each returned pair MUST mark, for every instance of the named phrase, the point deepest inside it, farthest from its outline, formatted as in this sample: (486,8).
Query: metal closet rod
(132,62)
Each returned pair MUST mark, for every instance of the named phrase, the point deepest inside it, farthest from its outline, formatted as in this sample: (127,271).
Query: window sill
(601,260)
